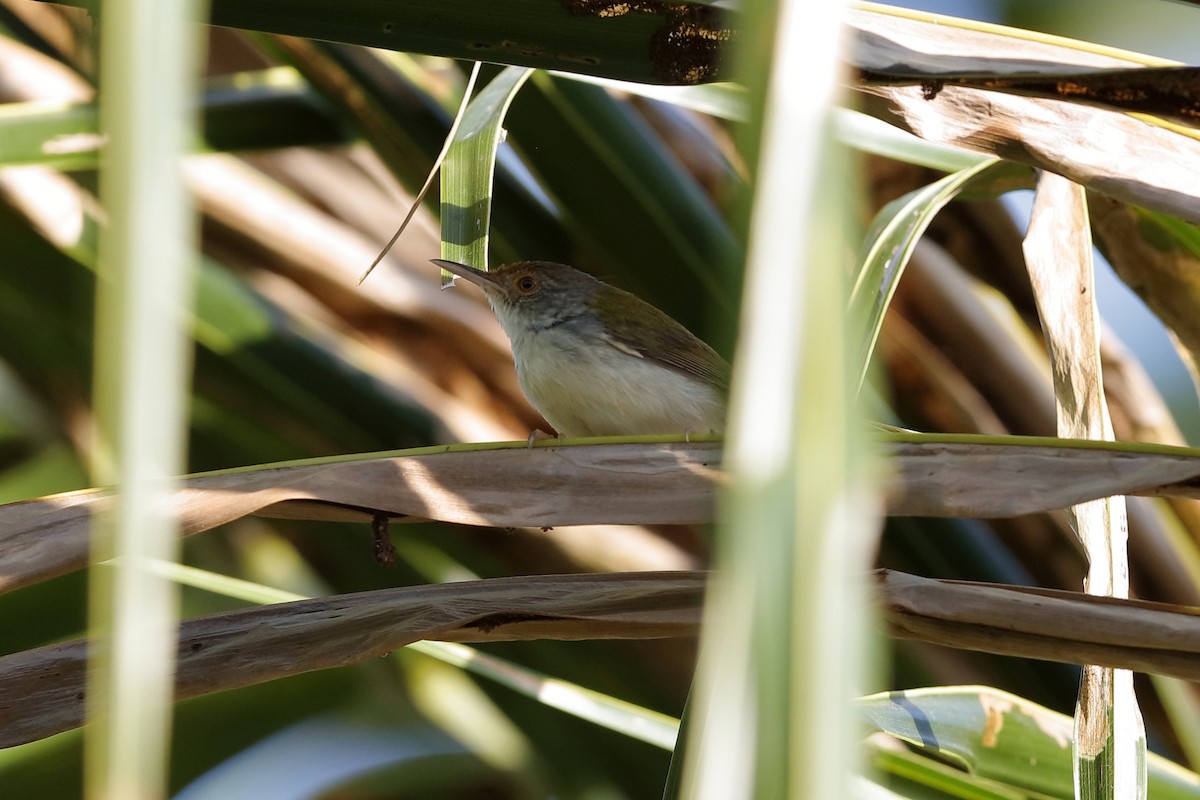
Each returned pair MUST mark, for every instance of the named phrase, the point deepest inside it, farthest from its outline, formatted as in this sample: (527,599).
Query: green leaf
(652,44)
(402,112)
(775,674)
(871,135)
(889,245)
(723,100)
(62,135)
(248,111)
(920,777)
(470,165)
(1001,737)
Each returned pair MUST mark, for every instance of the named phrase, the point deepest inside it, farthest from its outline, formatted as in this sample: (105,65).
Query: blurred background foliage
(310,153)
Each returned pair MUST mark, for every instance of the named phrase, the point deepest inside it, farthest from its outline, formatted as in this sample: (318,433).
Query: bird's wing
(671,345)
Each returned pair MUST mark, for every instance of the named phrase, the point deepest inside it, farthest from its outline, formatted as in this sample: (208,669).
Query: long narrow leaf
(1134,159)
(639,723)
(144,289)
(553,484)
(41,693)
(996,735)
(872,135)
(467,175)
(652,44)
(1110,738)
(776,672)
(888,247)
(1046,624)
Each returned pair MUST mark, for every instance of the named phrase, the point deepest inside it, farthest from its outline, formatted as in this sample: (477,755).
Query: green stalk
(781,650)
(149,55)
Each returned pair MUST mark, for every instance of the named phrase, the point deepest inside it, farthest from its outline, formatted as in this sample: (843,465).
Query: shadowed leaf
(512,485)
(42,690)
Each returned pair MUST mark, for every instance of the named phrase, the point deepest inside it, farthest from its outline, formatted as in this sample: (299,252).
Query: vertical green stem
(781,649)
(149,55)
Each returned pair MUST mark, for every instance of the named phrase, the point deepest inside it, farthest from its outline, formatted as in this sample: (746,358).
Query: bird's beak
(476,276)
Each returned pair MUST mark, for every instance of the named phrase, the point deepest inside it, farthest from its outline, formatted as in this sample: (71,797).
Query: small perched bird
(597,361)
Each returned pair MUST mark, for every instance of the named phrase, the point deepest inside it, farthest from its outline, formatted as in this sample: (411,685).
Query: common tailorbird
(597,361)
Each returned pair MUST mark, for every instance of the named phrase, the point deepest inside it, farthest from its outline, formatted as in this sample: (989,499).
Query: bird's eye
(526,283)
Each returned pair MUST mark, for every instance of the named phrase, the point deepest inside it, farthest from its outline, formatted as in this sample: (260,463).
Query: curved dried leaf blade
(1166,92)
(511,485)
(1110,737)
(503,486)
(907,51)
(1157,256)
(42,690)
(1046,624)
(1131,159)
(966,476)
(894,40)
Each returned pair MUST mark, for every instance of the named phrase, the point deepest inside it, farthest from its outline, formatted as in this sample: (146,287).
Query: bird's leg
(538,433)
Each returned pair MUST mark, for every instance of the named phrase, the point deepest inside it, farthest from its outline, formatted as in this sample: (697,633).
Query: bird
(595,360)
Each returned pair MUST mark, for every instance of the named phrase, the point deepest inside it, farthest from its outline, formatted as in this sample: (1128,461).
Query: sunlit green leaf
(470,164)
(889,245)
(872,135)
(1001,737)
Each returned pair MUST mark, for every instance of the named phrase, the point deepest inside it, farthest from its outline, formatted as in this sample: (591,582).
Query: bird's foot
(538,433)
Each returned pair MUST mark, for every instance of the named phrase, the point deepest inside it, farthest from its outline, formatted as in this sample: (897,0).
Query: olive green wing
(669,343)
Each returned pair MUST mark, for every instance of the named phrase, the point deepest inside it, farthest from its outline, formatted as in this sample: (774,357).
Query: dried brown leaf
(1047,624)
(1058,250)
(511,485)
(507,485)
(1127,158)
(960,478)
(42,690)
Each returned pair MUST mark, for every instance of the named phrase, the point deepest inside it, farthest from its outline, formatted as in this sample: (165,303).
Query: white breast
(599,390)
